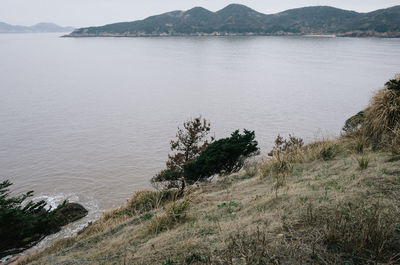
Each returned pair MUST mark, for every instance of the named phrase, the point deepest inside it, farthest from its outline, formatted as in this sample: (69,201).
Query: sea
(91,119)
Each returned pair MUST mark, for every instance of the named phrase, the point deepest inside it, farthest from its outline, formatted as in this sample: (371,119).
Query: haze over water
(90,119)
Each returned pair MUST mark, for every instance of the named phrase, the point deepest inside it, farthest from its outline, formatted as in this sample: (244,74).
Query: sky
(82,13)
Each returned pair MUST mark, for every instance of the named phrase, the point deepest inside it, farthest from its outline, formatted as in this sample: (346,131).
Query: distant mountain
(241,20)
(41,27)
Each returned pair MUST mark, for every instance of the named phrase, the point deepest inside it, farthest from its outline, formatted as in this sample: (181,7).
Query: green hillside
(241,20)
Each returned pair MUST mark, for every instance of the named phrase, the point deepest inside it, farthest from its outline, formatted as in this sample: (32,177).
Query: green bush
(222,156)
(22,223)
(353,123)
(190,141)
(393,84)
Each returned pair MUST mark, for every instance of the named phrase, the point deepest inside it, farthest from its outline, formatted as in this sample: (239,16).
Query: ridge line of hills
(237,19)
(37,28)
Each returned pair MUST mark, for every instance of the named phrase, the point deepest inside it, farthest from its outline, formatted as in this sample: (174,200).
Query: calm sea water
(91,119)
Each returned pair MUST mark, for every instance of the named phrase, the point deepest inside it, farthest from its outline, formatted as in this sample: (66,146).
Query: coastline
(351,34)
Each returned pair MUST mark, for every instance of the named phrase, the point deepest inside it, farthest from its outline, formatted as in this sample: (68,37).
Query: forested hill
(238,19)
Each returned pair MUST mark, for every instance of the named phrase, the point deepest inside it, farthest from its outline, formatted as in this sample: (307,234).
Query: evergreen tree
(190,141)
(23,222)
(222,156)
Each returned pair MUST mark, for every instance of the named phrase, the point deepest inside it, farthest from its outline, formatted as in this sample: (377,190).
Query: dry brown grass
(383,117)
(380,123)
(287,153)
(340,234)
(175,213)
(362,230)
(143,201)
(326,212)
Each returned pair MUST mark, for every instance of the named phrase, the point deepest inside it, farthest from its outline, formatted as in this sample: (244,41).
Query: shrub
(284,153)
(354,122)
(222,156)
(23,222)
(393,84)
(281,168)
(291,147)
(189,142)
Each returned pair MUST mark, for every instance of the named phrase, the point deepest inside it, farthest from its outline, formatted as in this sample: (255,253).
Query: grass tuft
(175,213)
(143,201)
(363,162)
(168,261)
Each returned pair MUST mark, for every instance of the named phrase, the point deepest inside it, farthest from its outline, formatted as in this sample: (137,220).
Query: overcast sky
(80,13)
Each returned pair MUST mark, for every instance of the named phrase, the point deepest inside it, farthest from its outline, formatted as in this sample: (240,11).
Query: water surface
(90,119)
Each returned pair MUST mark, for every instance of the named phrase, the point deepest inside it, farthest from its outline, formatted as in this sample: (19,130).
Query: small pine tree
(21,223)
(190,141)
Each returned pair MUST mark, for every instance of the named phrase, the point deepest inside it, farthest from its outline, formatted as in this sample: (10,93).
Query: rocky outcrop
(70,212)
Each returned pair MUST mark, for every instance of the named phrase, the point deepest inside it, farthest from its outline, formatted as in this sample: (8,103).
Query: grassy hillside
(333,201)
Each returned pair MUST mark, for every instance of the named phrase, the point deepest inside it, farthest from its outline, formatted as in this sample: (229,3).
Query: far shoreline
(386,35)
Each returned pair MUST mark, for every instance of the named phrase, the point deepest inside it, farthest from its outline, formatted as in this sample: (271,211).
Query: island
(38,28)
(241,20)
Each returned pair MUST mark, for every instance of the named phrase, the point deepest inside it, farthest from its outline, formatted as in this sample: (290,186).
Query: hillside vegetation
(332,201)
(241,20)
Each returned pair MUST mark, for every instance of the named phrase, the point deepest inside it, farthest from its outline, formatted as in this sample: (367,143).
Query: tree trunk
(182,187)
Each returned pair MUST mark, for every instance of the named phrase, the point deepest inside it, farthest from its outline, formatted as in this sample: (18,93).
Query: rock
(70,212)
